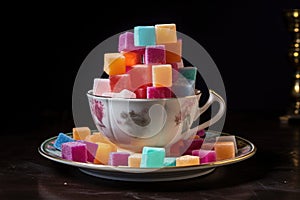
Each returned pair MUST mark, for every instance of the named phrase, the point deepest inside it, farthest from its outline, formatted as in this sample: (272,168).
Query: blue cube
(144,35)
(153,157)
(62,138)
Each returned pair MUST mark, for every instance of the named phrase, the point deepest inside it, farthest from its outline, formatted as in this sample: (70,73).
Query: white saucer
(245,150)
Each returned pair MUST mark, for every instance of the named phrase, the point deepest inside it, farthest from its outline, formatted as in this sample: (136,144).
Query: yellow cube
(80,133)
(165,33)
(187,160)
(162,75)
(224,150)
(114,63)
(134,160)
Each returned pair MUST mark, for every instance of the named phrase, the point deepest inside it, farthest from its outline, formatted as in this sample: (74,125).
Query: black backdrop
(45,45)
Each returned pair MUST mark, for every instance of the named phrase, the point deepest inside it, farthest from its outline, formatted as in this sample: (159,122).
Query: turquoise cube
(189,73)
(153,157)
(62,138)
(144,35)
(170,161)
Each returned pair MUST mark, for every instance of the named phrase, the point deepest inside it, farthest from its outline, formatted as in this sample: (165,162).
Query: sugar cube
(62,138)
(126,42)
(173,51)
(114,63)
(189,73)
(74,151)
(101,85)
(224,150)
(187,160)
(170,161)
(206,156)
(158,92)
(102,154)
(132,58)
(165,33)
(144,35)
(155,54)
(140,76)
(134,160)
(119,82)
(152,157)
(80,133)
(118,158)
(99,137)
(228,138)
(162,75)
(91,150)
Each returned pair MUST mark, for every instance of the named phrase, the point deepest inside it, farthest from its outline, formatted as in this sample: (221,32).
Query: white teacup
(134,123)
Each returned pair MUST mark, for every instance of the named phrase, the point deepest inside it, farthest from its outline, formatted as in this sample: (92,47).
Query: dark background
(44,46)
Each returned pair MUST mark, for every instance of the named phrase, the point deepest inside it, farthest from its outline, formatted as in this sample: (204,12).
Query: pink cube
(118,158)
(155,54)
(126,42)
(74,151)
(158,92)
(119,82)
(206,156)
(101,85)
(140,75)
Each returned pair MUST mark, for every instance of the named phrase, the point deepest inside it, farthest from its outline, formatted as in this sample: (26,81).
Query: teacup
(134,123)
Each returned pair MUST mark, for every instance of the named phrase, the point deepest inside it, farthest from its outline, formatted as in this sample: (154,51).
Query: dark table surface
(272,173)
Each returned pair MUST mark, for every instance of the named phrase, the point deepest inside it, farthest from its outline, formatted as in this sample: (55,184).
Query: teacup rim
(90,93)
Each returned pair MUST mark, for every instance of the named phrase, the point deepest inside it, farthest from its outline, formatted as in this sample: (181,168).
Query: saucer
(246,149)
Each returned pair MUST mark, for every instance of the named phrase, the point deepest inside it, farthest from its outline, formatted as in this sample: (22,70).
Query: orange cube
(224,150)
(173,51)
(102,153)
(99,137)
(187,160)
(80,133)
(132,58)
(114,63)
(134,160)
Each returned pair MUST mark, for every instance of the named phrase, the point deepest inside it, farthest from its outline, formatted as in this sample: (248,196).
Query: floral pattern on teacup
(97,109)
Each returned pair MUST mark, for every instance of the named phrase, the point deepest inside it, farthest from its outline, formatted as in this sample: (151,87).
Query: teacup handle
(213,97)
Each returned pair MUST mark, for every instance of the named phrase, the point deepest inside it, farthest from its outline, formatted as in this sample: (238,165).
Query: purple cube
(155,54)
(206,156)
(74,151)
(126,43)
(158,92)
(91,150)
(118,158)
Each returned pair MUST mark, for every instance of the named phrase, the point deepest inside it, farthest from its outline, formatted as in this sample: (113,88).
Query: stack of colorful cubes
(93,147)
(148,64)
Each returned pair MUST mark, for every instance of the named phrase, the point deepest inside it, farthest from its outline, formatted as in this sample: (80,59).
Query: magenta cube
(158,92)
(193,144)
(74,151)
(118,158)
(206,156)
(91,150)
(155,54)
